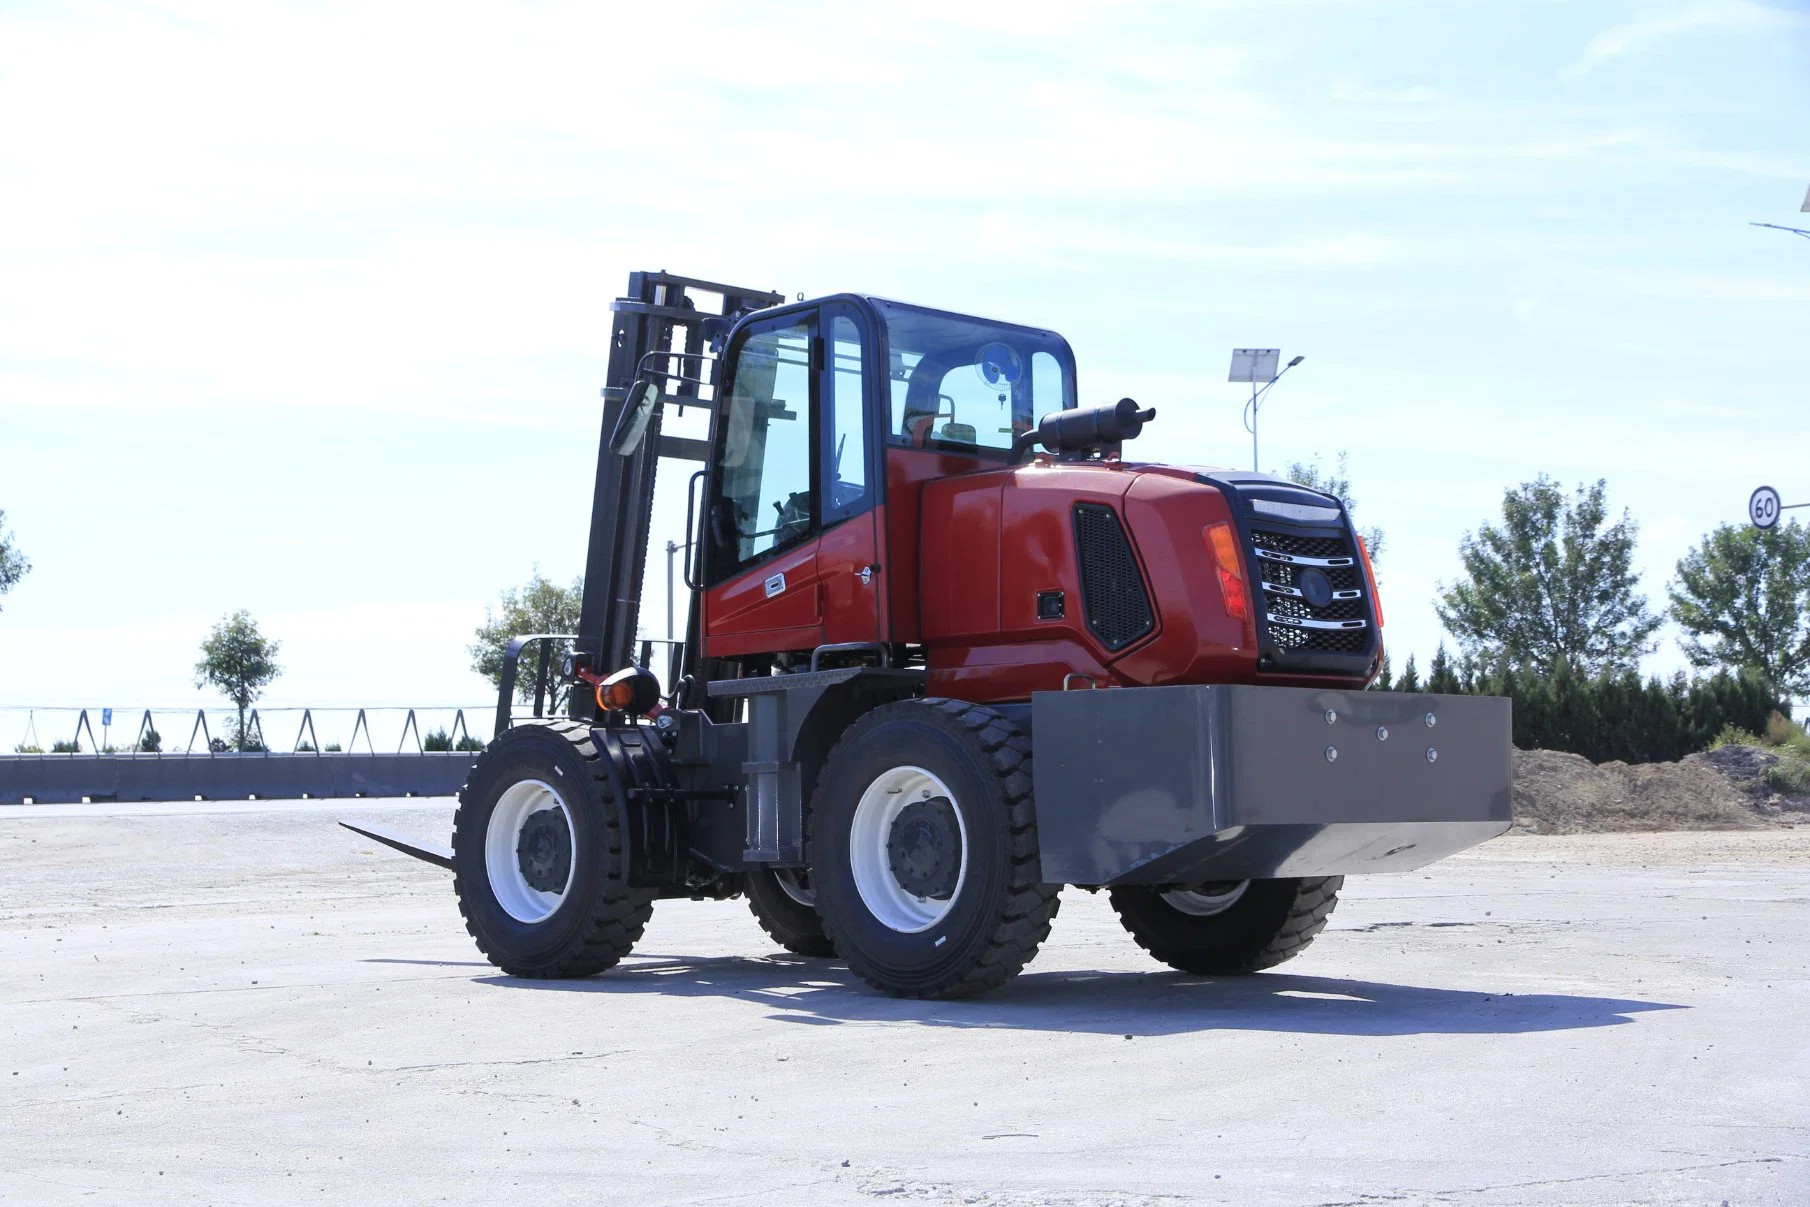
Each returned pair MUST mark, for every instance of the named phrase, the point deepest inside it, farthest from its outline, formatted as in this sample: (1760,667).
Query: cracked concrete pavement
(251,1005)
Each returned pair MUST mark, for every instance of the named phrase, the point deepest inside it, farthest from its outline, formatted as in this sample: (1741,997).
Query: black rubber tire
(1001,913)
(792,924)
(1274,921)
(601,918)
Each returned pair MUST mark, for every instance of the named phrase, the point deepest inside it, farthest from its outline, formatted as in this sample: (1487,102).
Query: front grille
(1319,641)
(1285,598)
(1302,546)
(1112,590)
(1294,605)
(1343,578)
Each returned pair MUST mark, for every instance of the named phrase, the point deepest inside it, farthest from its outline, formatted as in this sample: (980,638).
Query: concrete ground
(254,1006)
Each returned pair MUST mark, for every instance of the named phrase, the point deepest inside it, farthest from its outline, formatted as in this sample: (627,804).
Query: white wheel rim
(796,884)
(870,835)
(519,899)
(1199,904)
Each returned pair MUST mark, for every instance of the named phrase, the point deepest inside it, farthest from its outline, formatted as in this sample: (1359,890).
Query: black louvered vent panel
(1112,591)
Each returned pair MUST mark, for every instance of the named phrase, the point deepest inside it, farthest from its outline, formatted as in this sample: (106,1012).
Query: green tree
(1553,584)
(1337,482)
(1442,676)
(12,563)
(539,607)
(1743,598)
(239,662)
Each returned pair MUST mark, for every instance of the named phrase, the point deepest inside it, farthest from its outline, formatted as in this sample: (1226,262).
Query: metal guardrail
(88,767)
(84,767)
(36,727)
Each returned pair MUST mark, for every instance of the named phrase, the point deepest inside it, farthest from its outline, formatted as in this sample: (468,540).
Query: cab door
(760,521)
(790,524)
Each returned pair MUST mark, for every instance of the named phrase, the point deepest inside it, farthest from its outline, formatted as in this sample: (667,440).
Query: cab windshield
(966,384)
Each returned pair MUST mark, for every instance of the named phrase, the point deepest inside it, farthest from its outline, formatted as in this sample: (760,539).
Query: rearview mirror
(637,409)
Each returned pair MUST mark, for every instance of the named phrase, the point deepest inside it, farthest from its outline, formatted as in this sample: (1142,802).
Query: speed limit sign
(1763,507)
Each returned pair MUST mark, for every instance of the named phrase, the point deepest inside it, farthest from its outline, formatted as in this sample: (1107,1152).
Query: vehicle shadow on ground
(825,993)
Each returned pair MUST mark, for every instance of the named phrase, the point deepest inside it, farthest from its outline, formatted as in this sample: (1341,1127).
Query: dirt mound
(1723,789)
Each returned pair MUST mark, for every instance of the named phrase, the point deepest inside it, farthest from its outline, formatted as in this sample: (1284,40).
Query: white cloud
(1737,15)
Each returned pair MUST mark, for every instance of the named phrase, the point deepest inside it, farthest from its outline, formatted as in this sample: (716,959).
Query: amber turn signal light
(1376,598)
(1222,543)
(632,689)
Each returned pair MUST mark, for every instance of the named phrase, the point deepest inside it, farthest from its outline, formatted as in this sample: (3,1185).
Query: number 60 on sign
(1763,507)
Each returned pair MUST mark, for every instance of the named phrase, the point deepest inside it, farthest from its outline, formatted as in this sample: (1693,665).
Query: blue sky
(303,307)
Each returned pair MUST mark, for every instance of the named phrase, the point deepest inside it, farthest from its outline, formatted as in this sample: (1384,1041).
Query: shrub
(28,748)
(305,747)
(1789,775)
(1734,735)
(437,740)
(1618,716)
(331,748)
(468,743)
(65,748)
(151,743)
(1783,731)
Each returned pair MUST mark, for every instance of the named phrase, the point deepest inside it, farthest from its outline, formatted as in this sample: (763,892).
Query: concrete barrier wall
(61,778)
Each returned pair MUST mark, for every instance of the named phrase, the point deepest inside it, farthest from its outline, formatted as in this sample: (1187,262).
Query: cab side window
(764,462)
(845,424)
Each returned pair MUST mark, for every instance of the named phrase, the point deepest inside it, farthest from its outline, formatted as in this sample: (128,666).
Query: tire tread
(1312,903)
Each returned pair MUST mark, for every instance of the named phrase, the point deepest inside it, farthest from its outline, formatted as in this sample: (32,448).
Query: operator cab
(834,414)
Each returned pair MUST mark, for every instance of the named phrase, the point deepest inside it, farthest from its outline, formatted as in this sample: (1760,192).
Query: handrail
(505,707)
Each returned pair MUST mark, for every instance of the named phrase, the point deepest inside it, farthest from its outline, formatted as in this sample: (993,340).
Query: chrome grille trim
(1294,560)
(1298,622)
(1280,589)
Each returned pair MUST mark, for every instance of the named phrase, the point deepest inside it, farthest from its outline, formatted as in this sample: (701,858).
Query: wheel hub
(924,849)
(544,850)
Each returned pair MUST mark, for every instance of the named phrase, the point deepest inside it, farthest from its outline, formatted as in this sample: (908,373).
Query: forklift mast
(667,330)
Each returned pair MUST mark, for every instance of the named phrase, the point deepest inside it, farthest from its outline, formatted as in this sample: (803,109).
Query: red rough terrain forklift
(948,651)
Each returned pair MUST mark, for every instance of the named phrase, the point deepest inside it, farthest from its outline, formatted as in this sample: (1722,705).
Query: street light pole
(1258,365)
(1255,468)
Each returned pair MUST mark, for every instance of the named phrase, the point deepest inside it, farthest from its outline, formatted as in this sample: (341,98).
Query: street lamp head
(1296,361)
